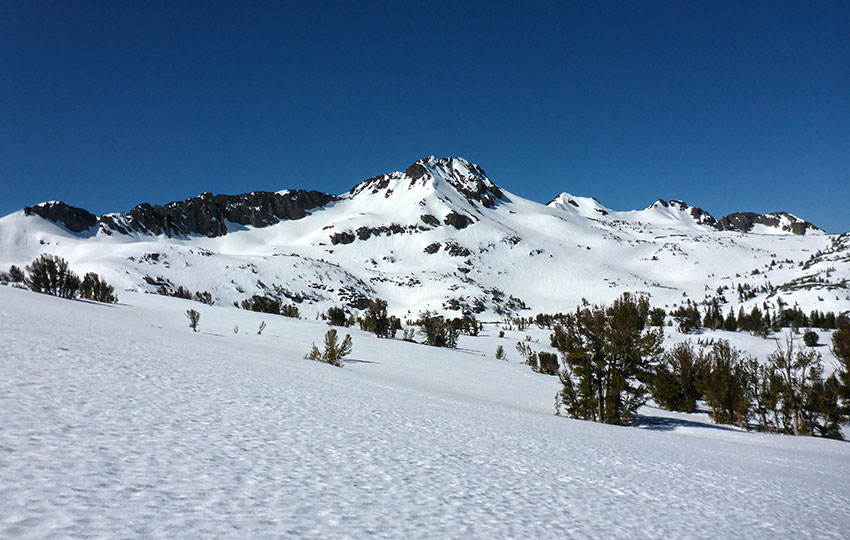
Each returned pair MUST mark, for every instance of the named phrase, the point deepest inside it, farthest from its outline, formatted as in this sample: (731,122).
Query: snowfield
(119,421)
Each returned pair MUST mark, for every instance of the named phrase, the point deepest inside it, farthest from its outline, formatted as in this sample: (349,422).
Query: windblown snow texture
(119,421)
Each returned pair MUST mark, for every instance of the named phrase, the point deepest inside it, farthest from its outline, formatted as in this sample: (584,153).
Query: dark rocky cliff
(744,222)
(204,215)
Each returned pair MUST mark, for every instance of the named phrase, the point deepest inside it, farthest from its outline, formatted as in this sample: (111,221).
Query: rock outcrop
(72,218)
(745,221)
(205,215)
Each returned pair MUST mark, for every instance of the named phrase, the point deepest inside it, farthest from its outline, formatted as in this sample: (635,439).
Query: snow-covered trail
(118,421)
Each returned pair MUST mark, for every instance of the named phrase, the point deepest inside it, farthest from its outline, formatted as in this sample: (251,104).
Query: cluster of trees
(204,297)
(14,275)
(50,274)
(613,360)
(264,304)
(436,330)
(540,362)
(439,331)
(786,394)
(757,321)
(375,319)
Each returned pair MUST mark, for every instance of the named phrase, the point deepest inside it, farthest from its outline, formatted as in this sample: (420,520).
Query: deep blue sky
(741,106)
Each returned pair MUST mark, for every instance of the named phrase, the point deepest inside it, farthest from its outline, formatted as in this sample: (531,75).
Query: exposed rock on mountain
(782,221)
(74,219)
(203,215)
(466,178)
(698,214)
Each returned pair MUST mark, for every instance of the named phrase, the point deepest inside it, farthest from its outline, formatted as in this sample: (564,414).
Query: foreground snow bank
(119,421)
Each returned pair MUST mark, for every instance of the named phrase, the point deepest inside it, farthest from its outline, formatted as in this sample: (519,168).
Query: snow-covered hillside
(441,235)
(119,421)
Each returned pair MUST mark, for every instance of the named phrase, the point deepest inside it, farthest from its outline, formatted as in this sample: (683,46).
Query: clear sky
(739,106)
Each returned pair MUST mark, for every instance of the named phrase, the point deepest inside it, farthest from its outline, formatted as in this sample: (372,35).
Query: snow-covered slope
(118,421)
(440,235)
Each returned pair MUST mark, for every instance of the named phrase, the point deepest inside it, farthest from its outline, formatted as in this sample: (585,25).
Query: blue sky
(739,106)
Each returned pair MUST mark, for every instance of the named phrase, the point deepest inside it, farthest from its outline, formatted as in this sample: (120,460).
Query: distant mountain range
(441,235)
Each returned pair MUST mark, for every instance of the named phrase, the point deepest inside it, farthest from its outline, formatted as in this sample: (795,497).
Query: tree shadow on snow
(663,423)
(356,361)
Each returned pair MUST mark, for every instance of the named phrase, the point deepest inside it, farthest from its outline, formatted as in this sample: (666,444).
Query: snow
(119,421)
(549,256)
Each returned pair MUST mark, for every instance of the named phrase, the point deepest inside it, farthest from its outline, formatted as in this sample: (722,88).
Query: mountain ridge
(440,235)
(206,213)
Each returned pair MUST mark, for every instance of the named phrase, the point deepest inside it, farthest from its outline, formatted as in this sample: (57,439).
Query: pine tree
(607,353)
(16,275)
(547,363)
(675,379)
(730,324)
(766,395)
(841,350)
(50,274)
(795,369)
(437,331)
(194,318)
(94,288)
(336,316)
(376,320)
(335,352)
(810,338)
(728,385)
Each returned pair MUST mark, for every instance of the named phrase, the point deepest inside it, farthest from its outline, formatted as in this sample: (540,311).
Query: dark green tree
(607,353)
(676,377)
(336,316)
(657,316)
(823,410)
(289,310)
(262,304)
(767,391)
(14,275)
(810,338)
(841,350)
(375,319)
(728,385)
(547,363)
(437,331)
(94,288)
(687,318)
(730,323)
(50,274)
(798,369)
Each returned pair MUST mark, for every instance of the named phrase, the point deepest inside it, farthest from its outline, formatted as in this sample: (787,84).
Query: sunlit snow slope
(119,421)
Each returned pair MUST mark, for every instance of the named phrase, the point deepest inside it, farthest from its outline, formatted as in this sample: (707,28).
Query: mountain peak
(468,179)
(681,210)
(586,206)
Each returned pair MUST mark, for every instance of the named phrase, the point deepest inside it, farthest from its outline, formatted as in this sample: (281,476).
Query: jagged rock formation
(698,214)
(74,219)
(204,215)
(745,221)
(466,178)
